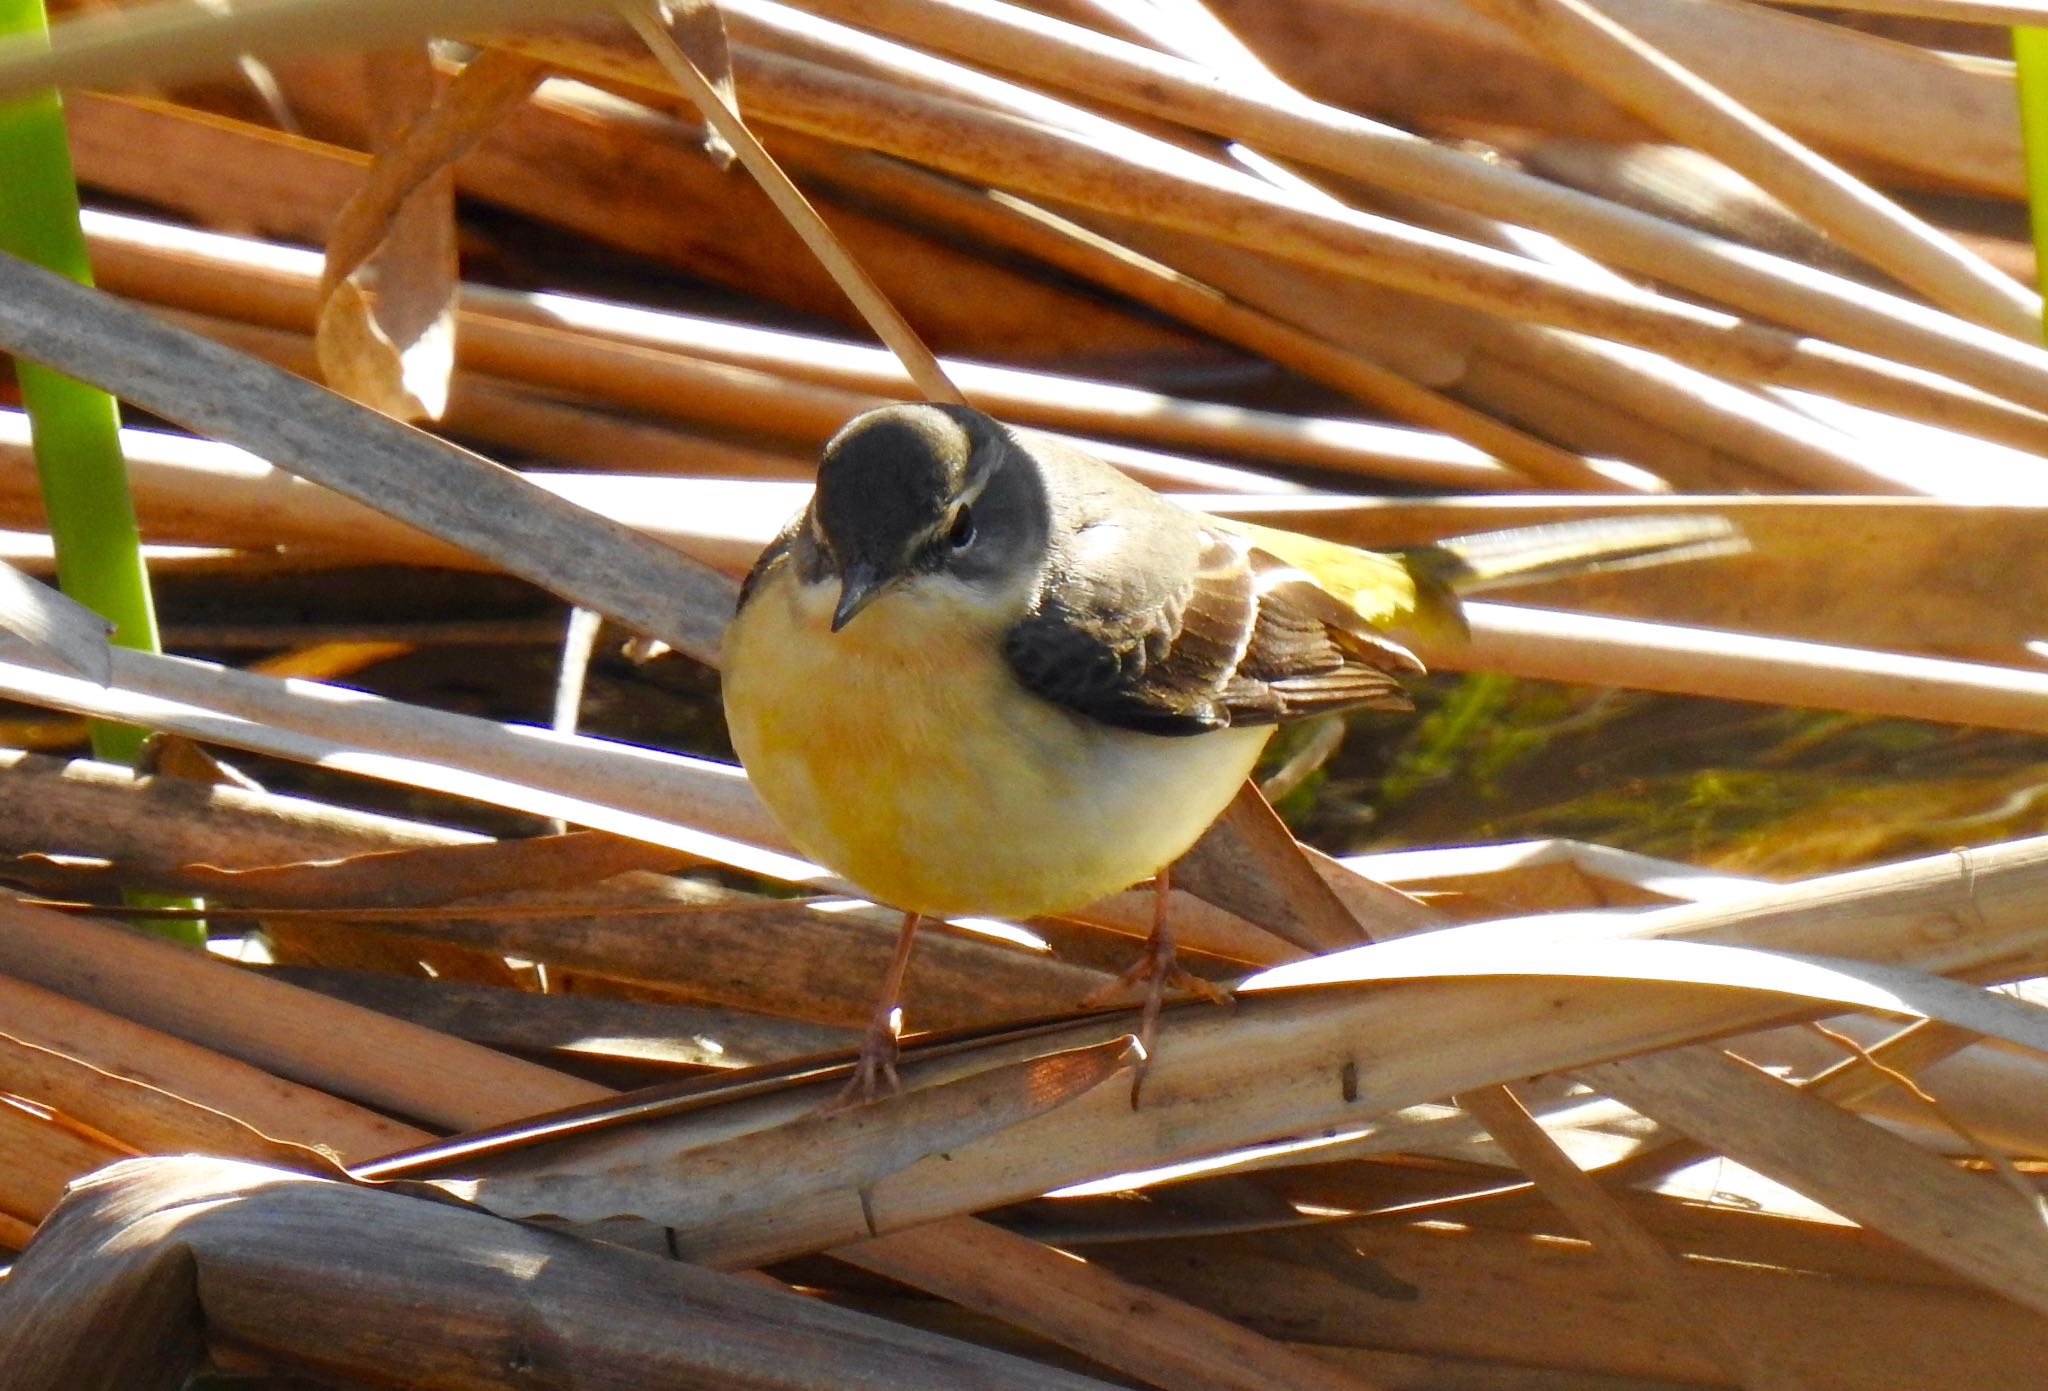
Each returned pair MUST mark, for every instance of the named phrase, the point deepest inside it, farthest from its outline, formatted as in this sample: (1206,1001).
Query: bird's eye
(961,534)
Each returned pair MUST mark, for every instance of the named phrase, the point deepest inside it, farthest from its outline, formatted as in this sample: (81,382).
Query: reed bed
(507,1060)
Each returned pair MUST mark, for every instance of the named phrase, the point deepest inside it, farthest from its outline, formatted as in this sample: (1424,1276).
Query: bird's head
(909,495)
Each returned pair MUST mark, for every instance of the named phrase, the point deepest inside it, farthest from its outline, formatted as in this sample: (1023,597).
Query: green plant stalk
(76,428)
(2030,52)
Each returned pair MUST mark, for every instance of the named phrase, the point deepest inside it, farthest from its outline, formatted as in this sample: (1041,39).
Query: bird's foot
(874,1072)
(1155,972)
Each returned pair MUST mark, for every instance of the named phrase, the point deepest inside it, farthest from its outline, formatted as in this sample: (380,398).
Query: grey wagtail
(983,673)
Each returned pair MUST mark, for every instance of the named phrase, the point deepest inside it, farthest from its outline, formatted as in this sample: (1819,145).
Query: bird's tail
(1416,591)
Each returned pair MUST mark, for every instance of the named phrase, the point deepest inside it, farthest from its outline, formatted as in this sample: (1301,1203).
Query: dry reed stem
(52,622)
(595,783)
(1056,241)
(621,175)
(1615,1231)
(140,1119)
(1906,575)
(1113,170)
(294,1033)
(1757,442)
(645,187)
(2006,14)
(169,41)
(1568,1326)
(39,1156)
(291,422)
(1048,163)
(781,957)
(916,359)
(1737,666)
(749,378)
(1978,1228)
(350,1279)
(584,1024)
(525,419)
(1277,1064)
(1895,104)
(583,429)
(157,1091)
(1757,282)
(168,823)
(201,493)
(1695,431)
(1082,1306)
(1595,47)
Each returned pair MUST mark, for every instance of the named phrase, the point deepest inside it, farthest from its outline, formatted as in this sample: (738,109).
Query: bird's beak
(860,584)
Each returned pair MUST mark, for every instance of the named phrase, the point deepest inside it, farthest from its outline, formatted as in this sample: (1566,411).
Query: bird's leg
(874,1075)
(1156,970)
(1157,966)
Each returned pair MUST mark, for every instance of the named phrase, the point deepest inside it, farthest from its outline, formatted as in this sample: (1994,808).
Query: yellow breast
(902,754)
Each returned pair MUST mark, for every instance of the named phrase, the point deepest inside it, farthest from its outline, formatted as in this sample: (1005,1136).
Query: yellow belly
(901,754)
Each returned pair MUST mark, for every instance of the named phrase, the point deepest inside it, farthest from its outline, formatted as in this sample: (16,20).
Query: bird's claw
(874,1072)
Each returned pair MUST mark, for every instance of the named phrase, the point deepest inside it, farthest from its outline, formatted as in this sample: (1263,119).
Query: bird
(984,673)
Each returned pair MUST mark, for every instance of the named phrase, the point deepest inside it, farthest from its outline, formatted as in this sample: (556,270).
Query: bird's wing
(772,555)
(1185,628)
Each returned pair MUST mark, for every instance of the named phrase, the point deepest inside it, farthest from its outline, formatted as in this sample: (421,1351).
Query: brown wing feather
(1238,638)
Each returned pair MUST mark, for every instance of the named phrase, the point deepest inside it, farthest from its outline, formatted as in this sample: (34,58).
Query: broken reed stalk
(890,326)
(1596,48)
(1037,232)
(1278,1065)
(1048,163)
(735,376)
(373,1283)
(1742,666)
(1615,1232)
(169,41)
(2005,14)
(187,378)
(1069,57)
(317,1042)
(1691,429)
(1845,91)
(162,1094)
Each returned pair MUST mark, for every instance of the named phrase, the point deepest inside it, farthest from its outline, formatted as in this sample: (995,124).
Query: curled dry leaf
(698,29)
(395,352)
